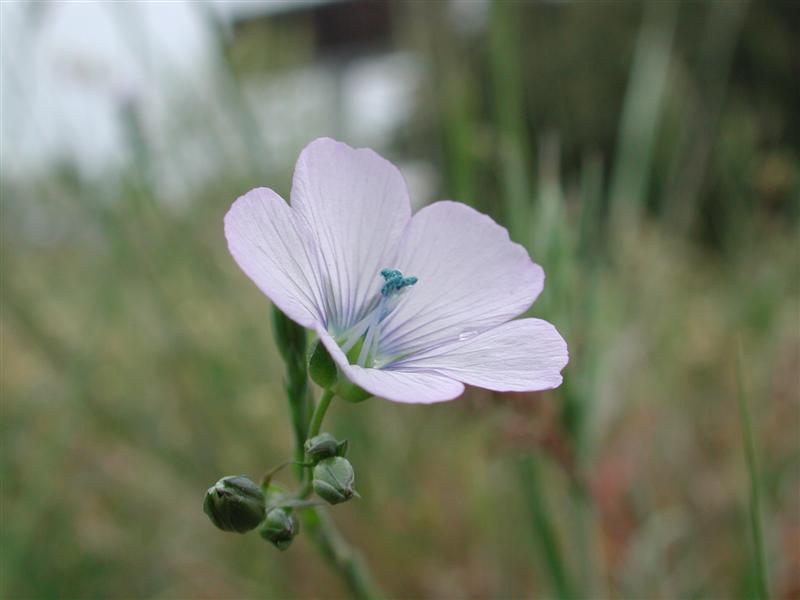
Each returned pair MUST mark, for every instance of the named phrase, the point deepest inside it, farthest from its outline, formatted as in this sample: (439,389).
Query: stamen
(367,330)
(395,282)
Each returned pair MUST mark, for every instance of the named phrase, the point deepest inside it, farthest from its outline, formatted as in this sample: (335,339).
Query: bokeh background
(648,155)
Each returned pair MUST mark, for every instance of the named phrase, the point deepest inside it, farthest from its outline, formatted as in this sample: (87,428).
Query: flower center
(395,282)
(360,342)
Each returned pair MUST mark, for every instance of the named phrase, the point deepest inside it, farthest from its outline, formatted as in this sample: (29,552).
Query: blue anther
(390,274)
(395,281)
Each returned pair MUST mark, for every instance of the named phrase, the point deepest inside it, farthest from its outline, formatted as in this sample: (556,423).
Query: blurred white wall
(75,73)
(68,68)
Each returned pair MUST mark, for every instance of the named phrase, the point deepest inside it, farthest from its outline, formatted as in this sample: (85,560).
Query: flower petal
(520,356)
(413,386)
(355,203)
(271,248)
(471,277)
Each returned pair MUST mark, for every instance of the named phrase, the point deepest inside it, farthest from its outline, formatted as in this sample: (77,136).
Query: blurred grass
(760,576)
(633,150)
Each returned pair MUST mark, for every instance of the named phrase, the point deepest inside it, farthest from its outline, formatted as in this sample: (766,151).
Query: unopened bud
(324,445)
(280,527)
(333,480)
(235,503)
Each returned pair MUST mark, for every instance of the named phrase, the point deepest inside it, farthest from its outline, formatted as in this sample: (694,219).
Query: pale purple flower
(422,304)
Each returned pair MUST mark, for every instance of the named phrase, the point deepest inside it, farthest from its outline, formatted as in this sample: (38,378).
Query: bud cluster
(332,475)
(237,504)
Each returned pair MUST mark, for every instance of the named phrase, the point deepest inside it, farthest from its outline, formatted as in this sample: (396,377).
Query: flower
(409,308)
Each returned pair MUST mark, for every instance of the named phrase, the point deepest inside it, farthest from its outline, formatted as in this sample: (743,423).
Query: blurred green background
(648,155)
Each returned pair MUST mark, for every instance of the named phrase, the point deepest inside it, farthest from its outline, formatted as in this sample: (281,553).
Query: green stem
(319,413)
(544,534)
(291,341)
(323,531)
(313,429)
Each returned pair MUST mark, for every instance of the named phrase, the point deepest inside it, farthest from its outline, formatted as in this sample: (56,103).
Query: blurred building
(104,85)
(323,68)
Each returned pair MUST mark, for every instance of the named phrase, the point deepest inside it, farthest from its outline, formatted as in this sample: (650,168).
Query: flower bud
(321,367)
(235,503)
(280,527)
(333,480)
(324,445)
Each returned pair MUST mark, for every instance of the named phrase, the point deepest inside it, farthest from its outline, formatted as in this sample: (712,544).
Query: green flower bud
(324,445)
(333,480)
(235,503)
(280,527)
(321,367)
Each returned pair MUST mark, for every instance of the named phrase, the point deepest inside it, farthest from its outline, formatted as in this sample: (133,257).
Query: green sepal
(350,392)
(325,373)
(341,450)
(321,367)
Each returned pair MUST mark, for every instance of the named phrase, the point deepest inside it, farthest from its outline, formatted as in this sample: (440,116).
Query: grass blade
(544,535)
(754,509)
(642,111)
